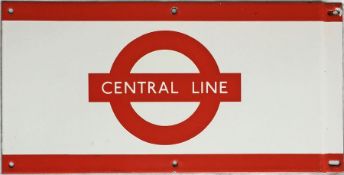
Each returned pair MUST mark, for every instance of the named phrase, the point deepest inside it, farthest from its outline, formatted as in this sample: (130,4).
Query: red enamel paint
(161,11)
(163,163)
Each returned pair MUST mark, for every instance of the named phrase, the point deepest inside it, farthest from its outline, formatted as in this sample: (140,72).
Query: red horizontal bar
(163,163)
(161,11)
(186,87)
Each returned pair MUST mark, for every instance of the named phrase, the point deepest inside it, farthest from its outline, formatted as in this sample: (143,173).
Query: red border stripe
(163,163)
(160,11)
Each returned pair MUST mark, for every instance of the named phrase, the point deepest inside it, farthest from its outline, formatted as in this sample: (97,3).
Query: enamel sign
(94,87)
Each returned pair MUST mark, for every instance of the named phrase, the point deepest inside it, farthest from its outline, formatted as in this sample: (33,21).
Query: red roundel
(198,54)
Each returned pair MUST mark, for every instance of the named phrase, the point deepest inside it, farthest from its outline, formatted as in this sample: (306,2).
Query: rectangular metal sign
(172,87)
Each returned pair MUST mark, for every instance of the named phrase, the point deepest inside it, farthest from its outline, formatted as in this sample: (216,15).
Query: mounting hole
(334,162)
(174,163)
(11,164)
(174,10)
(10,10)
(336,12)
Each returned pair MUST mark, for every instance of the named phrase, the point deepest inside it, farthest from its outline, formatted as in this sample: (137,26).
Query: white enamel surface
(291,87)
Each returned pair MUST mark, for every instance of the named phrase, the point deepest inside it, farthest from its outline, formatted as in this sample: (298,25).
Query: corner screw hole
(11,164)
(334,162)
(10,10)
(336,12)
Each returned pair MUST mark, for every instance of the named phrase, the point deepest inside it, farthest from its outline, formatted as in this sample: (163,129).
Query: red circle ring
(198,54)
